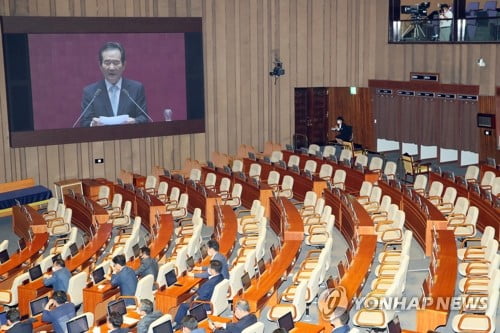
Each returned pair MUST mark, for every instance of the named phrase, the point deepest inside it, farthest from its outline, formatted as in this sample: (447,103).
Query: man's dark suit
(127,281)
(119,330)
(59,316)
(204,293)
(21,327)
(148,266)
(225,270)
(345,133)
(59,280)
(240,325)
(102,105)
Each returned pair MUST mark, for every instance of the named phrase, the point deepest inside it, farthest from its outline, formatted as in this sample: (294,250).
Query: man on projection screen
(114,100)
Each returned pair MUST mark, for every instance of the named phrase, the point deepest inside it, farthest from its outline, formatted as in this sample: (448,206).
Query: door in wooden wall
(311,114)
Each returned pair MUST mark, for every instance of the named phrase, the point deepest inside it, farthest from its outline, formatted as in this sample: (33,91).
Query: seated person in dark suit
(344,131)
(115,322)
(190,325)
(15,325)
(213,252)
(148,265)
(115,95)
(245,319)
(124,277)
(58,311)
(148,315)
(204,293)
(59,280)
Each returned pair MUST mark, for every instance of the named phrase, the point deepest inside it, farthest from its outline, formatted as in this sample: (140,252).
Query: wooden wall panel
(332,43)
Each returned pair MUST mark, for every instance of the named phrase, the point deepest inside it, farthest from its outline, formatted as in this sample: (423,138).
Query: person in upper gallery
(344,131)
(58,311)
(242,313)
(213,252)
(204,293)
(15,325)
(445,21)
(148,265)
(340,321)
(114,95)
(124,277)
(59,280)
(146,310)
(115,322)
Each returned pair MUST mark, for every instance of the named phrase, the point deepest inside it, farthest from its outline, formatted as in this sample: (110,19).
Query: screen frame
(41,25)
(489,116)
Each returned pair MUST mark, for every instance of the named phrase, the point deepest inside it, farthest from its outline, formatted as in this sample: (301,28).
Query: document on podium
(116,120)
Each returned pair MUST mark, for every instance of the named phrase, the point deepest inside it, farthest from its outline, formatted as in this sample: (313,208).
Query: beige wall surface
(321,43)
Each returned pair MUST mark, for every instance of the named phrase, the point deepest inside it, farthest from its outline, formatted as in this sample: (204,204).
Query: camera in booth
(417,10)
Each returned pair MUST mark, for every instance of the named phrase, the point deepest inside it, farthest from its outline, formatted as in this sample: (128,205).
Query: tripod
(415,28)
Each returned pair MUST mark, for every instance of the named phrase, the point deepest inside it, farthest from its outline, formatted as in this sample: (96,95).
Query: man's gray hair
(243,305)
(146,305)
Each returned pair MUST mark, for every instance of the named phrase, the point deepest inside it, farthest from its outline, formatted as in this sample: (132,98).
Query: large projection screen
(49,61)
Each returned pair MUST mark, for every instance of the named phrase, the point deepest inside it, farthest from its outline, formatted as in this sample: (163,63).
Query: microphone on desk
(135,103)
(97,93)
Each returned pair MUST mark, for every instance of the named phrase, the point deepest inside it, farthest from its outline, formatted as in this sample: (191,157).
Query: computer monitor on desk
(78,325)
(165,327)
(199,312)
(98,275)
(4,256)
(35,272)
(117,306)
(286,322)
(38,305)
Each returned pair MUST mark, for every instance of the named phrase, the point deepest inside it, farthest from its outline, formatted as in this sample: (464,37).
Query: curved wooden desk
(488,215)
(264,290)
(161,242)
(33,249)
(85,257)
(83,216)
(301,184)
(141,206)
(172,296)
(196,199)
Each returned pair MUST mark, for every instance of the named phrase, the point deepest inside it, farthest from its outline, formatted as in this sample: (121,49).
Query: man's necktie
(114,99)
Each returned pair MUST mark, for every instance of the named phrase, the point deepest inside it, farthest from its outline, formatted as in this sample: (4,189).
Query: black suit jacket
(21,327)
(102,105)
(240,325)
(345,133)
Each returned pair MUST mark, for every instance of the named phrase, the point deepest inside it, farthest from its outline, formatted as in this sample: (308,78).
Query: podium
(64,186)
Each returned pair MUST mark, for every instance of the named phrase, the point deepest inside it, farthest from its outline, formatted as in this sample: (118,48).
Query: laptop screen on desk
(22,244)
(136,250)
(286,321)
(78,325)
(117,306)
(204,251)
(394,326)
(198,312)
(262,266)
(166,327)
(73,249)
(170,278)
(35,272)
(4,256)
(245,281)
(190,263)
(98,275)
(38,305)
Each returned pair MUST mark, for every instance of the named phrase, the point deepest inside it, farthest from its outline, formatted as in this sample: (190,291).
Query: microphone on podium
(135,103)
(97,93)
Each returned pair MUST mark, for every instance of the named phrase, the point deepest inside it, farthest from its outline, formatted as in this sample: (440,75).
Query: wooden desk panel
(91,187)
(488,215)
(85,257)
(32,251)
(416,220)
(93,296)
(82,216)
(148,210)
(443,288)
(264,290)
(21,224)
